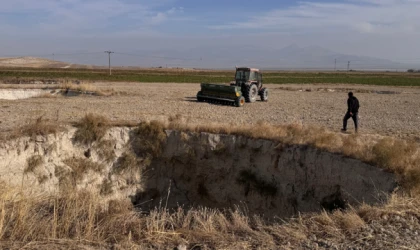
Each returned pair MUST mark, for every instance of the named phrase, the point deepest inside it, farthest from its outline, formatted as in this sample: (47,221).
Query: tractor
(248,85)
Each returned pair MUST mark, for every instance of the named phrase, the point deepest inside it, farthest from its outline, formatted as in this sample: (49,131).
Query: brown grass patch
(288,134)
(32,163)
(105,150)
(91,128)
(128,162)
(353,147)
(411,180)
(81,166)
(81,218)
(148,139)
(106,187)
(401,205)
(81,87)
(349,221)
(35,127)
(394,154)
(400,157)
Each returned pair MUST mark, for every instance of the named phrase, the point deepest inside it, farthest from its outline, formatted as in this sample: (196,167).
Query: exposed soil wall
(261,176)
(217,171)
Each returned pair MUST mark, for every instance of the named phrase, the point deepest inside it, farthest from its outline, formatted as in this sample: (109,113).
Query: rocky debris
(340,90)
(390,232)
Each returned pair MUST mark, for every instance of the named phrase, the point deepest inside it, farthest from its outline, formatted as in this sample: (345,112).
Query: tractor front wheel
(240,101)
(264,94)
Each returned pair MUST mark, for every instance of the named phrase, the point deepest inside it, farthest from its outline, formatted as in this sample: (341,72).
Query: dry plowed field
(384,110)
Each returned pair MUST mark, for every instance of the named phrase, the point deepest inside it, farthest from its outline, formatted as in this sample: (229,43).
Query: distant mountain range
(290,57)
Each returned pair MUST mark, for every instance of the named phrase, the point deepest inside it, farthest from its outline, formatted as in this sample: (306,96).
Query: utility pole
(109,59)
(53,57)
(348,66)
(335,64)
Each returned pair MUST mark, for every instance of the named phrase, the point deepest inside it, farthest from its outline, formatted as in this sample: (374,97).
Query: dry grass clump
(39,218)
(148,139)
(411,179)
(91,128)
(400,157)
(176,122)
(394,154)
(106,187)
(81,219)
(288,134)
(105,150)
(81,166)
(128,162)
(349,221)
(35,127)
(354,147)
(32,163)
(400,205)
(81,87)
(331,226)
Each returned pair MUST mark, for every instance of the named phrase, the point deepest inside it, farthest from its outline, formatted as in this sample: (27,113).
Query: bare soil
(390,111)
(25,62)
(36,62)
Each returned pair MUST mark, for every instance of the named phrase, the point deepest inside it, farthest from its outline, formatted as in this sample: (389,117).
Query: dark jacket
(352,105)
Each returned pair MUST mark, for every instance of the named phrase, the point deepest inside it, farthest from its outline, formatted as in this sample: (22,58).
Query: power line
(77,53)
(109,58)
(47,55)
(340,62)
(160,57)
(366,61)
(198,59)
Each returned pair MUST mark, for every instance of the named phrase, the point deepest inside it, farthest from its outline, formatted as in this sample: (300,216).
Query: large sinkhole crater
(185,169)
(261,176)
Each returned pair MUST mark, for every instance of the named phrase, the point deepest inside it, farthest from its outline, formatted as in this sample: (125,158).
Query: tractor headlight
(237,94)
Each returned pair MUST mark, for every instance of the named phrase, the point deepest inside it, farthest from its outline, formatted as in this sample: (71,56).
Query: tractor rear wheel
(240,101)
(264,94)
(251,93)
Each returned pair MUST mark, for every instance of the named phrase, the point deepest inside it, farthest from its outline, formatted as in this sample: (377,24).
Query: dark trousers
(355,118)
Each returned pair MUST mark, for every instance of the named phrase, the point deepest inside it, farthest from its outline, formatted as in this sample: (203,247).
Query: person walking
(352,112)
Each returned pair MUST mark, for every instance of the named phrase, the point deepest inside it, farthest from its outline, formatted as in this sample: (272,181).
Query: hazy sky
(387,29)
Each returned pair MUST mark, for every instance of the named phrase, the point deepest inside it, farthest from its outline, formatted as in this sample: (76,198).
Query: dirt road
(385,110)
